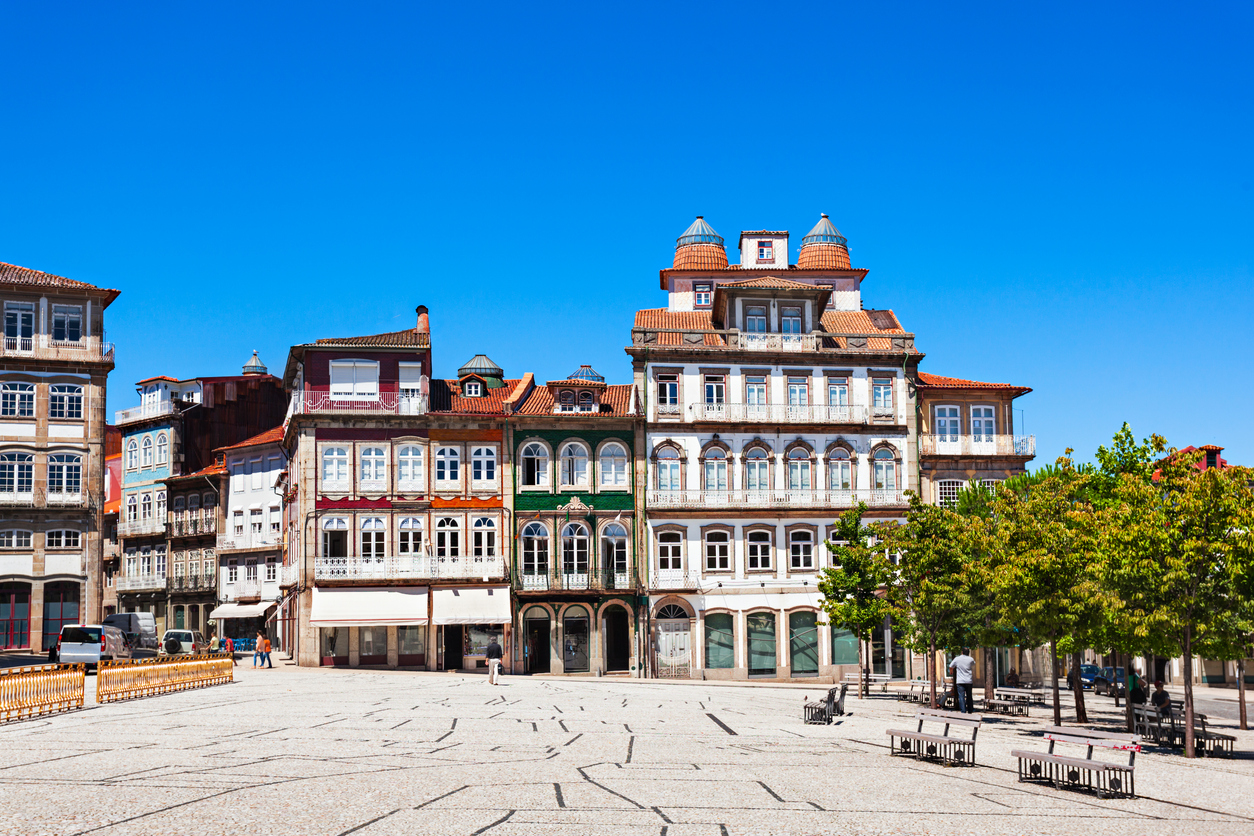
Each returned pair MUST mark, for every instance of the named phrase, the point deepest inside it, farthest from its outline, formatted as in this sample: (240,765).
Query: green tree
(853,587)
(1043,574)
(929,590)
(1181,555)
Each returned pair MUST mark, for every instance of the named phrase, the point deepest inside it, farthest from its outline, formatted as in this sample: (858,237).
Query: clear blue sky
(1059,198)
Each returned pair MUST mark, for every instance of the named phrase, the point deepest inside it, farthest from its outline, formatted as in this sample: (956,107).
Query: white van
(140,628)
(89,643)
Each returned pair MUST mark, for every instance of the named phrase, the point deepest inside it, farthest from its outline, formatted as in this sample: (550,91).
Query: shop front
(371,625)
(466,620)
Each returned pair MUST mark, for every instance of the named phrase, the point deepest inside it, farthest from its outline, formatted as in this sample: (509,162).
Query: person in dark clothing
(1136,689)
(1161,700)
(495,654)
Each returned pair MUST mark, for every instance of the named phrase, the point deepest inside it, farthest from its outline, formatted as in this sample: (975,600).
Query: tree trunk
(931,667)
(1118,665)
(861,669)
(1081,716)
(1188,694)
(1053,665)
(990,675)
(1241,688)
(1129,719)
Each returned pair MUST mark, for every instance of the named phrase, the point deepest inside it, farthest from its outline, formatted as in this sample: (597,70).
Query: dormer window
(585,402)
(566,401)
(790,321)
(755,320)
(702,292)
(472,389)
(766,251)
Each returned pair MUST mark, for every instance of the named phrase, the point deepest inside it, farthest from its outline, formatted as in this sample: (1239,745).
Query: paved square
(311,752)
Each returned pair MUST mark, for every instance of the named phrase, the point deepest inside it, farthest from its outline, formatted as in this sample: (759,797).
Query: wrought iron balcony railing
(780,499)
(385,403)
(778,413)
(977,445)
(399,567)
(558,579)
(43,347)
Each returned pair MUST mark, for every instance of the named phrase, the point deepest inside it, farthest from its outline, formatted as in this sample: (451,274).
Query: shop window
(719,641)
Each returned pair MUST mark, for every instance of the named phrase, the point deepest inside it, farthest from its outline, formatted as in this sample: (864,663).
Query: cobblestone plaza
(308,751)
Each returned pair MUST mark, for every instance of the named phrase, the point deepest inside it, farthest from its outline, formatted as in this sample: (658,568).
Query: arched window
(613,466)
(839,471)
(146,451)
(885,470)
(335,543)
(668,469)
(161,506)
(373,471)
(132,508)
(65,474)
(178,505)
(410,539)
(614,551)
(409,463)
(715,470)
(372,538)
(209,503)
(801,550)
(670,547)
(672,612)
(483,540)
(145,506)
(717,551)
(17,473)
(163,448)
(574,549)
(566,401)
(535,545)
(132,455)
(799,469)
(535,465)
(585,401)
(448,465)
(574,465)
(448,542)
(335,465)
(483,464)
(757,470)
(758,549)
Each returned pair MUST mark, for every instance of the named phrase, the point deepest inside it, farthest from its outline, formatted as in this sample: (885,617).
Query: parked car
(1108,681)
(175,642)
(89,643)
(1087,674)
(139,627)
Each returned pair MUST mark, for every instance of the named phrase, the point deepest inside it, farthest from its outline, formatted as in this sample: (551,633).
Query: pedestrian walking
(495,655)
(962,666)
(230,649)
(214,645)
(265,644)
(258,643)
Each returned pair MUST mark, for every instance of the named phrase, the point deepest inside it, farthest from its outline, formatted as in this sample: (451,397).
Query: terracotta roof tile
(444,398)
(618,397)
(683,320)
(823,257)
(838,322)
(215,469)
(935,381)
(270,436)
(13,274)
(745,232)
(700,257)
(861,322)
(409,338)
(159,377)
(772,282)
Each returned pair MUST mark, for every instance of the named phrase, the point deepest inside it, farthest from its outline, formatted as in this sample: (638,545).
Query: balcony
(138,413)
(43,347)
(407,567)
(289,574)
(560,581)
(674,579)
(968,445)
(191,527)
(242,588)
(387,403)
(140,528)
(778,413)
(735,340)
(65,500)
(249,540)
(42,499)
(777,499)
(191,583)
(140,583)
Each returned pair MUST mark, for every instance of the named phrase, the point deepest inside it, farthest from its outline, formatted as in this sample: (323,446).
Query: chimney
(424,325)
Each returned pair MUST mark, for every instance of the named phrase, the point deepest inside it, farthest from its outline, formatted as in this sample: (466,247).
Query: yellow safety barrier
(126,679)
(39,690)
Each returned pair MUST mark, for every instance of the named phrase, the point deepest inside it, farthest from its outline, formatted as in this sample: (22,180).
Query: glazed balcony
(386,403)
(140,583)
(44,347)
(777,413)
(248,540)
(736,340)
(774,499)
(43,499)
(244,589)
(971,445)
(407,567)
(562,581)
(140,528)
(139,413)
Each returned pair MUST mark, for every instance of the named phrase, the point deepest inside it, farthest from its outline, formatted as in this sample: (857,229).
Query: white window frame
(612,465)
(483,539)
(986,417)
(409,536)
(65,402)
(472,389)
(947,492)
(717,552)
(448,469)
(373,468)
(358,379)
(758,550)
(337,457)
(17,400)
(670,551)
(483,465)
(410,474)
(535,548)
(801,551)
(569,473)
(535,456)
(948,423)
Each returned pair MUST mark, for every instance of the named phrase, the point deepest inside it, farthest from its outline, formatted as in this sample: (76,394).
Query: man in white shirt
(963,666)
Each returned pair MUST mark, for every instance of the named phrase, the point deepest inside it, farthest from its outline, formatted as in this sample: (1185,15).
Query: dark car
(1108,680)
(1087,674)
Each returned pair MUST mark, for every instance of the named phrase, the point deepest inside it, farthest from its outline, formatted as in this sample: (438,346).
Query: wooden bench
(918,692)
(1168,729)
(821,713)
(1009,707)
(1108,779)
(943,746)
(1028,695)
(880,679)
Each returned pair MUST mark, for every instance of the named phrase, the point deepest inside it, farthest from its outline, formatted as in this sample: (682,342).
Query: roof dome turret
(700,248)
(255,366)
(588,374)
(824,248)
(481,366)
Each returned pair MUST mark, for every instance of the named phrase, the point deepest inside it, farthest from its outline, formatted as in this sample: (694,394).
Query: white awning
(241,610)
(471,605)
(368,606)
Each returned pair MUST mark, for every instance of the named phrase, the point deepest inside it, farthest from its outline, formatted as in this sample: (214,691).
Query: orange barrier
(126,679)
(39,690)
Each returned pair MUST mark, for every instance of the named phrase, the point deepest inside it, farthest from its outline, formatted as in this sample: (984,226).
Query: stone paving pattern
(310,752)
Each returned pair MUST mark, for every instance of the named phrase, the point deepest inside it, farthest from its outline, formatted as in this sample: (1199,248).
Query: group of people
(261,649)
